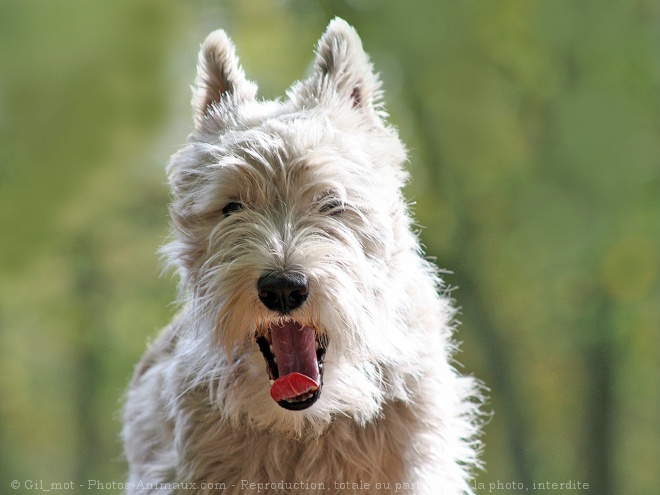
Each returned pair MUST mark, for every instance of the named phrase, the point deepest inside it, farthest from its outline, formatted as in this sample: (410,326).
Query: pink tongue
(294,347)
(292,385)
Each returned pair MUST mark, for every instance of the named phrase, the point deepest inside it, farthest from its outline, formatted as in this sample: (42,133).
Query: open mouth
(294,356)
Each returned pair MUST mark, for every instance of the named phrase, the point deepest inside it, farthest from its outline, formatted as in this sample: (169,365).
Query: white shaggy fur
(318,178)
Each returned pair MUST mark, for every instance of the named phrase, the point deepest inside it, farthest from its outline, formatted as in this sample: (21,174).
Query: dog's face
(290,233)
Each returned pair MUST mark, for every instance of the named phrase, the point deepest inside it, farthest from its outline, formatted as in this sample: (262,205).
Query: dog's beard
(331,343)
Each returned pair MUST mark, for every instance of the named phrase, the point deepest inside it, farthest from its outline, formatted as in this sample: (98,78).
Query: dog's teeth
(272,350)
(271,382)
(274,359)
(301,398)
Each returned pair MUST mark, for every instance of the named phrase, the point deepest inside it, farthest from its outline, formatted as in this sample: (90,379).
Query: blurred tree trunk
(600,418)
(87,380)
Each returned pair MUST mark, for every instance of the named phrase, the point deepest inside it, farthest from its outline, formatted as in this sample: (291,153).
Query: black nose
(283,292)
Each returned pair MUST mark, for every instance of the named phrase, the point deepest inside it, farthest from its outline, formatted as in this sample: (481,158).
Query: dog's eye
(232,207)
(332,207)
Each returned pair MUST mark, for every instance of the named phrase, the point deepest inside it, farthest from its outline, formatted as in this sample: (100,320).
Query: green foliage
(535,160)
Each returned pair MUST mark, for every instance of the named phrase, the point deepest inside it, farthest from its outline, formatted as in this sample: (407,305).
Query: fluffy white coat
(318,177)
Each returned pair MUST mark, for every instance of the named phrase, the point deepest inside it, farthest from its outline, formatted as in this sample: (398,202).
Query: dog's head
(292,238)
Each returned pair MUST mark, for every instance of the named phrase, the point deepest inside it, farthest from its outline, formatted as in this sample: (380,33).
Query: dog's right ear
(220,79)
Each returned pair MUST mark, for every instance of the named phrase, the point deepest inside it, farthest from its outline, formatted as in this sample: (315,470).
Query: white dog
(312,353)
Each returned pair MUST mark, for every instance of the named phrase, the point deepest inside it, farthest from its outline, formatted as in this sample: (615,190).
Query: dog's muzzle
(293,351)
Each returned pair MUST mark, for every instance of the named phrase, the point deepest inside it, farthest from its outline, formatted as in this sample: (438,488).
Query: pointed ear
(342,66)
(219,77)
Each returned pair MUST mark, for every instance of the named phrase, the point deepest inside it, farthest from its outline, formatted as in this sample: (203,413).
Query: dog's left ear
(342,68)
(220,78)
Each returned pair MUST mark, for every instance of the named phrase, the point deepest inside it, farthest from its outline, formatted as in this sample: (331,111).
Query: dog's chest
(347,457)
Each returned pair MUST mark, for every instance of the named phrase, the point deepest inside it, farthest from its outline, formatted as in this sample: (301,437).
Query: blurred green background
(534,132)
